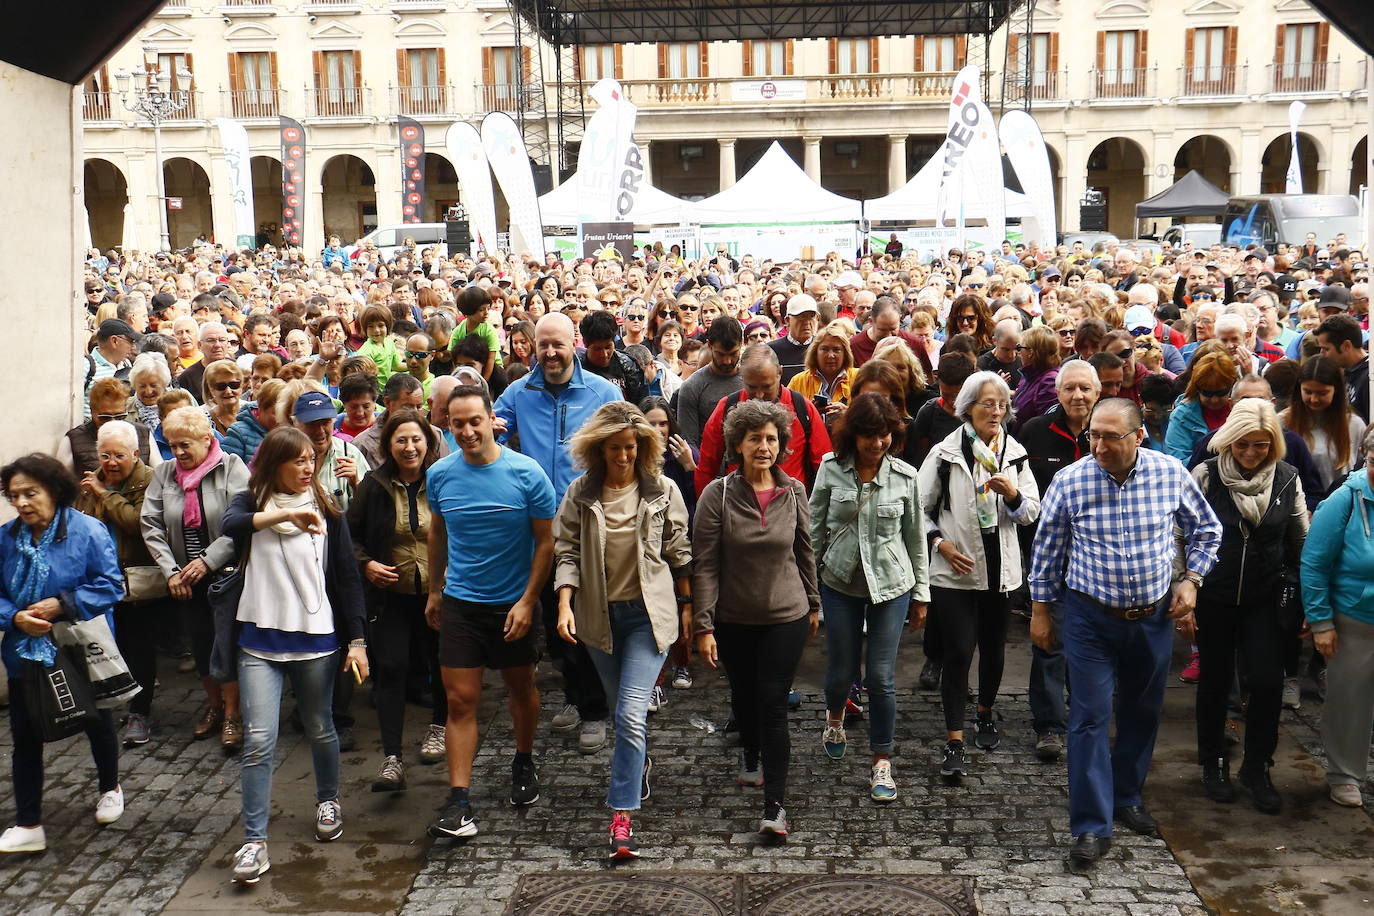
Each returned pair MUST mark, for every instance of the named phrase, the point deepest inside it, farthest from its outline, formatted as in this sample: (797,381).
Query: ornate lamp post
(147,92)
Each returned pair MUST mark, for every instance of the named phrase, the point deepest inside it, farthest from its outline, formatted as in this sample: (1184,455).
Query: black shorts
(472,636)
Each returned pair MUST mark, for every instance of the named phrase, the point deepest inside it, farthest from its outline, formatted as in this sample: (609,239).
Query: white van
(387,239)
(1202,235)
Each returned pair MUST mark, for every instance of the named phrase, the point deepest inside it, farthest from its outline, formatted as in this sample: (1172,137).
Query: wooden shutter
(1229,50)
(357,72)
(526,64)
(318,59)
(190,65)
(1101,54)
(704,50)
(1142,48)
(272,67)
(1189,43)
(235,73)
(747,48)
(834,55)
(619,62)
(441,68)
(873,46)
(402,68)
(1278,48)
(1323,41)
(1013,52)
(919,58)
(960,51)
(488,68)
(662,61)
(788,62)
(1053,66)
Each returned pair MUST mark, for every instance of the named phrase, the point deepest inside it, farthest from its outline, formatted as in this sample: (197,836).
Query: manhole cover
(857,896)
(705,894)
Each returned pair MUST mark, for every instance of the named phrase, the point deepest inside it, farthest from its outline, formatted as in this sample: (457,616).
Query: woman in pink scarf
(181,517)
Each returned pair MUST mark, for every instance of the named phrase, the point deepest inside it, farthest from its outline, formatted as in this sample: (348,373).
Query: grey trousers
(1349,711)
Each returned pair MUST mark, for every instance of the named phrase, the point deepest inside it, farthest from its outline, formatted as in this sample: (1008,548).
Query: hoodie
(1338,557)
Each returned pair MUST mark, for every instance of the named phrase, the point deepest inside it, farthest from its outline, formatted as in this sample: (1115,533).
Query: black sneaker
(774,821)
(955,764)
(1216,781)
(929,678)
(644,789)
(455,821)
(985,735)
(524,782)
(1263,795)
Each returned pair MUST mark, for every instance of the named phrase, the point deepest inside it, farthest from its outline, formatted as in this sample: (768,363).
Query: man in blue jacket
(334,252)
(542,410)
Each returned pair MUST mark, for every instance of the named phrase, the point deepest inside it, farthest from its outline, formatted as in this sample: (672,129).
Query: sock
(458,795)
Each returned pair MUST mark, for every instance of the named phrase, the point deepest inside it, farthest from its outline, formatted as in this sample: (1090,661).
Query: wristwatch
(1193,577)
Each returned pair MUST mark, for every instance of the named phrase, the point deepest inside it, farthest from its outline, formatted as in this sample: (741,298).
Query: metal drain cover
(716,894)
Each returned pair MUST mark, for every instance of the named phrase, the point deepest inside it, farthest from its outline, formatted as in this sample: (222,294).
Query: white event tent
(652,207)
(918,198)
(775,190)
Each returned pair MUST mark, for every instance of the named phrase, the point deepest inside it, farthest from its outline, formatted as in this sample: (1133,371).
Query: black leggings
(27,763)
(967,618)
(200,626)
(761,661)
(137,627)
(1255,631)
(398,625)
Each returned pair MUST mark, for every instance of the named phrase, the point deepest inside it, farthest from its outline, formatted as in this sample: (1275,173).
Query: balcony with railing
(1302,77)
(1207,81)
(1122,83)
(98,105)
(501,97)
(1037,85)
(340,102)
(428,101)
(931,87)
(251,103)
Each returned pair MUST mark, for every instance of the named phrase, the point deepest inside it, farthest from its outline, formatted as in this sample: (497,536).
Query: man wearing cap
(802,319)
(847,284)
(1050,278)
(114,349)
(339,465)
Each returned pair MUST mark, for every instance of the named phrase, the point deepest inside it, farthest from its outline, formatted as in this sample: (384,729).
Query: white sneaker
(432,747)
(23,839)
(110,807)
(1292,694)
(1342,793)
(250,863)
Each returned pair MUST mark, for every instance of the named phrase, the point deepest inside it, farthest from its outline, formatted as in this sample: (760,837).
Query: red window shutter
(235,74)
(488,68)
(1014,52)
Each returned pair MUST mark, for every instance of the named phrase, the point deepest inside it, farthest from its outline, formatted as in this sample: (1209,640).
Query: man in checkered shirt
(1105,550)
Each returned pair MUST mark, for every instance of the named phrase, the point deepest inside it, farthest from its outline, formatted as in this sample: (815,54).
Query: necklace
(319,558)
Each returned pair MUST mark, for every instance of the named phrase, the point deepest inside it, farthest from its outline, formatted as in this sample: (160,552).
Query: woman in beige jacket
(622,567)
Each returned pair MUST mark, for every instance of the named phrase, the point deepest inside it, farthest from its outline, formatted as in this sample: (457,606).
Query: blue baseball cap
(314,405)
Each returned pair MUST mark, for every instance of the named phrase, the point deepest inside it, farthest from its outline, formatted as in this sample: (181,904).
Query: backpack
(799,405)
(942,476)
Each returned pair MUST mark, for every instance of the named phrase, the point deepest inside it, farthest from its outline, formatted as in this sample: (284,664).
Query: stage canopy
(582,22)
(775,190)
(918,199)
(1191,195)
(652,206)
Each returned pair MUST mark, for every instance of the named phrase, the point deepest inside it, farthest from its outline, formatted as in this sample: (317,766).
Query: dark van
(1267,219)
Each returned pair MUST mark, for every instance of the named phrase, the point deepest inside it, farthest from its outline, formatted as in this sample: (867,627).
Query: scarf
(189,481)
(27,582)
(148,415)
(289,501)
(1250,494)
(987,461)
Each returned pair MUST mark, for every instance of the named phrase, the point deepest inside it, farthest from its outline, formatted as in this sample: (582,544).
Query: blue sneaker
(881,788)
(834,741)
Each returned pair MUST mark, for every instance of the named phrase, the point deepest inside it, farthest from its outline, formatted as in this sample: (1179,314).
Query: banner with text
(608,241)
(292,181)
(510,163)
(474,182)
(971,177)
(234,139)
(412,169)
(609,168)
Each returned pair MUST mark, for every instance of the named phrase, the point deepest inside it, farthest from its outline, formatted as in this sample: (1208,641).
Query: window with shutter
(853,56)
(1206,53)
(1119,74)
(504,84)
(96,100)
(337,90)
(766,58)
(253,78)
(422,84)
(1300,57)
(679,61)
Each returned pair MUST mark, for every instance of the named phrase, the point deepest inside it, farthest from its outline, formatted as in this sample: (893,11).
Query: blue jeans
(628,675)
(844,622)
(1048,680)
(1109,656)
(260,683)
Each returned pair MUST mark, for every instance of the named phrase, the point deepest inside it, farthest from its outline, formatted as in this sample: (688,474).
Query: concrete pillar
(1335,170)
(221,200)
(386,168)
(727,163)
(1251,154)
(1159,174)
(812,158)
(1075,178)
(141,174)
(896,162)
(647,157)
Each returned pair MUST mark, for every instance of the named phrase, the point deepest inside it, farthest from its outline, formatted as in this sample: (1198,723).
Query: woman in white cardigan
(976,487)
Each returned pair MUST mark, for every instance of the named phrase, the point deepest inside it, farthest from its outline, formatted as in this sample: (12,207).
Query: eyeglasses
(110,417)
(230,385)
(609,301)
(993,405)
(1144,345)
(1095,436)
(417,354)
(637,316)
(1020,347)
(974,285)
(1049,279)
(113,456)
(1067,332)
(1140,332)
(1252,446)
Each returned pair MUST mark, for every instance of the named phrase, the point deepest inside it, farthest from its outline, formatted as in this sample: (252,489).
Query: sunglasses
(971,319)
(974,285)
(1221,393)
(688,308)
(110,417)
(226,386)
(637,316)
(1123,354)
(417,354)
(1067,333)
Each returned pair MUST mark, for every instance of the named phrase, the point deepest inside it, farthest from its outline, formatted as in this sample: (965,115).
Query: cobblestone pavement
(1006,827)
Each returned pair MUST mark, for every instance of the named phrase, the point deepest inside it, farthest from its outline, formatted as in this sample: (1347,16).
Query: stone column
(646,156)
(727,163)
(896,162)
(222,200)
(812,158)
(1075,178)
(387,170)
(1251,156)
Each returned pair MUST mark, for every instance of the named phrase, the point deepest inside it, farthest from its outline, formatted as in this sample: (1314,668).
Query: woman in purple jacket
(1039,352)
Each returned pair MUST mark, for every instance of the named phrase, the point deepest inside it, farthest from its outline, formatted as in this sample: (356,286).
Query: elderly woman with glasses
(1259,500)
(220,393)
(976,488)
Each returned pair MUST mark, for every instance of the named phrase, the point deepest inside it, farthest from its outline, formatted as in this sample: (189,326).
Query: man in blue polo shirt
(490,550)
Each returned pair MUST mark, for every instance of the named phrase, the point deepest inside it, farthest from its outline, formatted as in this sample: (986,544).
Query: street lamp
(147,92)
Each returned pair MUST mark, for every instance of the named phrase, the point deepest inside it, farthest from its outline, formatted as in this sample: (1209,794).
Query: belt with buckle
(1140,612)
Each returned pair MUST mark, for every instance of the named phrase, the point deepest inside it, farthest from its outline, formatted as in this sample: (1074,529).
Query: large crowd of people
(304,472)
